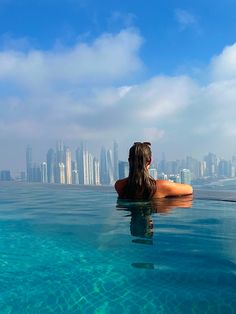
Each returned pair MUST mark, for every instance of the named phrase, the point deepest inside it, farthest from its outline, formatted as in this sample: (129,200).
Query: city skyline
(16,160)
(162,72)
(63,165)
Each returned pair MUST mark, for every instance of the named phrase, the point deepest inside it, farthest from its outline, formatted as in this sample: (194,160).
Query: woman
(139,184)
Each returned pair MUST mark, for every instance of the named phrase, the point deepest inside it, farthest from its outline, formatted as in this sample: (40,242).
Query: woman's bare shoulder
(120,183)
(167,188)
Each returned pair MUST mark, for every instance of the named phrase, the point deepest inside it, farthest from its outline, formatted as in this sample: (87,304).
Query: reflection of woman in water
(140,185)
(141,224)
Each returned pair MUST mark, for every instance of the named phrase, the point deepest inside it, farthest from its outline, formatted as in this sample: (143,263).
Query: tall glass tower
(44,176)
(79,154)
(51,165)
(96,171)
(68,166)
(103,167)
(115,161)
(60,152)
(110,168)
(29,163)
(185,176)
(61,168)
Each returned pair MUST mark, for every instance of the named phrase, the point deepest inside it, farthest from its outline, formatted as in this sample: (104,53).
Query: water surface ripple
(73,249)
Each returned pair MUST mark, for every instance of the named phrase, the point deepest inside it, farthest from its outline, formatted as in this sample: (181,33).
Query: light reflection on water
(79,250)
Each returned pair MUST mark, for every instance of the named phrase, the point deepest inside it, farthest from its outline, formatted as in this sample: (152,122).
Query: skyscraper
(5,175)
(68,171)
(75,172)
(115,161)
(211,165)
(90,168)
(79,154)
(51,165)
(110,168)
(153,173)
(44,176)
(224,168)
(61,171)
(60,159)
(96,171)
(185,176)
(29,163)
(162,164)
(85,156)
(104,179)
(75,177)
(36,172)
(123,169)
(60,156)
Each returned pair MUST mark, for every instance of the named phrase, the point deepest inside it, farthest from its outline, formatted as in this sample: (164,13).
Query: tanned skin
(164,188)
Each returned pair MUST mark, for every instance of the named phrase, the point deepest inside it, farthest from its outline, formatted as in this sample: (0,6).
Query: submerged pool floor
(77,250)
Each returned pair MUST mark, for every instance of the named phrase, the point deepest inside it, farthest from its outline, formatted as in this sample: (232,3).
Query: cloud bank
(93,91)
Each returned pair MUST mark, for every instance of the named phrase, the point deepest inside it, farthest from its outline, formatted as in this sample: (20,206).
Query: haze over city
(124,71)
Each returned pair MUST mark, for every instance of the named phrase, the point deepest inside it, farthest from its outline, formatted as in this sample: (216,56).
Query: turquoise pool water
(76,250)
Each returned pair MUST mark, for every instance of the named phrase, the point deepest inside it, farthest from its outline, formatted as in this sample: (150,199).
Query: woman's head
(140,156)
(140,184)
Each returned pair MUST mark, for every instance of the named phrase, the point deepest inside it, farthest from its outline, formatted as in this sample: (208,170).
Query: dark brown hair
(140,184)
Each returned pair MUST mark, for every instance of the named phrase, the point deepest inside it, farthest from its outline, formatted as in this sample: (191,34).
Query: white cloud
(223,66)
(109,58)
(84,93)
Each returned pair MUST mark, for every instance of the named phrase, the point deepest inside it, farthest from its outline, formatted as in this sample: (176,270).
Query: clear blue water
(76,250)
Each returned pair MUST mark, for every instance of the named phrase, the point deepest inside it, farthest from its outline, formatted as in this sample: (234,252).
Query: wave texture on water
(74,249)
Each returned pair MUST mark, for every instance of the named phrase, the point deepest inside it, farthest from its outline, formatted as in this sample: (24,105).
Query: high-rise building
(104,178)
(61,171)
(175,178)
(75,176)
(115,161)
(225,169)
(44,176)
(51,165)
(86,173)
(68,158)
(193,165)
(153,173)
(80,162)
(60,159)
(91,168)
(22,176)
(110,168)
(162,176)
(185,176)
(29,163)
(96,171)
(211,165)
(202,169)
(5,175)
(60,155)
(123,169)
(74,165)
(232,170)
(162,164)
(36,172)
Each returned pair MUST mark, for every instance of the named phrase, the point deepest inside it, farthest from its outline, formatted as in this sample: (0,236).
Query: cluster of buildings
(207,170)
(84,168)
(61,167)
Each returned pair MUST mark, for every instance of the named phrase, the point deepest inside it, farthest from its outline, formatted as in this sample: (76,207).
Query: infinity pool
(72,249)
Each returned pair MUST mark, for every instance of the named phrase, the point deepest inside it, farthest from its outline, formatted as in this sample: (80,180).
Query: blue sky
(88,70)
